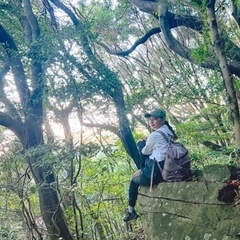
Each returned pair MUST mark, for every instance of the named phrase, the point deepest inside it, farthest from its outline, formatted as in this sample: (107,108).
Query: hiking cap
(157,113)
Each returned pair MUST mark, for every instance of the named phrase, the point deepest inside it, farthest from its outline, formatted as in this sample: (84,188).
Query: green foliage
(211,126)
(152,76)
(17,190)
(6,232)
(201,53)
(206,127)
(237,85)
(106,21)
(201,156)
(137,98)
(101,191)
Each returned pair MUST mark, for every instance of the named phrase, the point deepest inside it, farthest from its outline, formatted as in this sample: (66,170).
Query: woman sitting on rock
(154,152)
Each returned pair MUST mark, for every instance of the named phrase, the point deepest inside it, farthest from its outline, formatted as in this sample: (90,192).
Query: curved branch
(213,146)
(173,21)
(16,64)
(141,40)
(173,43)
(170,40)
(169,21)
(9,105)
(31,20)
(67,10)
(13,125)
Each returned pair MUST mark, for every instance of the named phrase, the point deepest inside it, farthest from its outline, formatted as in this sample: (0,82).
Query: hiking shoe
(130,216)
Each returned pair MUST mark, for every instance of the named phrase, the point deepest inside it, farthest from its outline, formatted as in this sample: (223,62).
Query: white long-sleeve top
(156,144)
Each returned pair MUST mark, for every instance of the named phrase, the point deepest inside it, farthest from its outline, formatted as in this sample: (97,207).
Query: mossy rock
(216,173)
(190,210)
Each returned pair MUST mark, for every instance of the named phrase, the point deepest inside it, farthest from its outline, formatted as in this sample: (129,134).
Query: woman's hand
(142,139)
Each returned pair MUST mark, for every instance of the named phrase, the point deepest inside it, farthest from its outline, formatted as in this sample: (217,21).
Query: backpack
(177,165)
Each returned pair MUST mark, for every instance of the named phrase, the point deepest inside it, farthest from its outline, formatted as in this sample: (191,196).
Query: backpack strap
(164,135)
(151,180)
(160,168)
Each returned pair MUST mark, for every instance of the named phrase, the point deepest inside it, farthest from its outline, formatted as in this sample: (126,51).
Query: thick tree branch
(225,70)
(170,40)
(173,43)
(13,125)
(141,40)
(213,146)
(236,11)
(16,65)
(111,85)
(50,10)
(31,19)
(146,6)
(173,21)
(169,21)
(35,103)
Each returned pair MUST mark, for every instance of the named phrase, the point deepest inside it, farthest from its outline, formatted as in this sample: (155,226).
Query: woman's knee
(136,177)
(137,173)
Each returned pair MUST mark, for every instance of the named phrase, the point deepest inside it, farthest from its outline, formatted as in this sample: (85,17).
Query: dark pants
(143,177)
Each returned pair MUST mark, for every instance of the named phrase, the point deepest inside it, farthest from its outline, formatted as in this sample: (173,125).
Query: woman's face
(155,123)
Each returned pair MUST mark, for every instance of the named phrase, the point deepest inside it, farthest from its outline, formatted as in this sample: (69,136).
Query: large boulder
(189,211)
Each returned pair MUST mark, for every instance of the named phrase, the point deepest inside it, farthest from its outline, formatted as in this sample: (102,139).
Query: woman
(155,148)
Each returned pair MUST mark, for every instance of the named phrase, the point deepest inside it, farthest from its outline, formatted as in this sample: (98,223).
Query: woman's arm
(147,150)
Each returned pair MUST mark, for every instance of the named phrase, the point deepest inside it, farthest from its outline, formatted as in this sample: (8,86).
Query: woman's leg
(133,189)
(137,180)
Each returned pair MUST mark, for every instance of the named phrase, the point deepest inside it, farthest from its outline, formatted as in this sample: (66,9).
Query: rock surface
(188,211)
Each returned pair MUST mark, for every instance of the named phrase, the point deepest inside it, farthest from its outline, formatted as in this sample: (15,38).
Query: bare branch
(103,126)
(134,46)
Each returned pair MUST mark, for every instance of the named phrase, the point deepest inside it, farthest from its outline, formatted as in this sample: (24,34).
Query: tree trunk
(125,131)
(43,174)
(29,130)
(51,211)
(227,76)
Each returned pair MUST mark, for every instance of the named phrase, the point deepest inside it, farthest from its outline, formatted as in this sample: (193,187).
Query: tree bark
(29,130)
(226,74)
